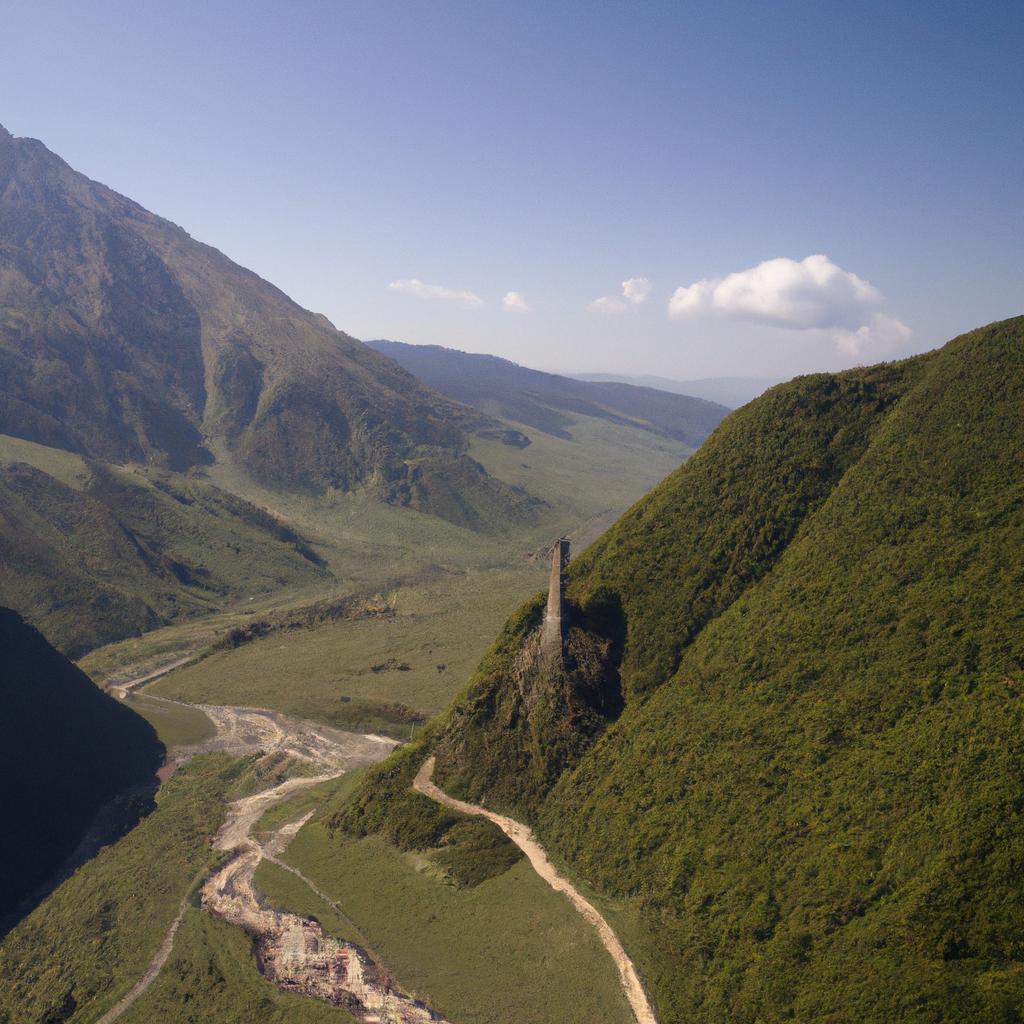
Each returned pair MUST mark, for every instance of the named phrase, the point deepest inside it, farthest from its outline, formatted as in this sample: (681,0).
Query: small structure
(552,638)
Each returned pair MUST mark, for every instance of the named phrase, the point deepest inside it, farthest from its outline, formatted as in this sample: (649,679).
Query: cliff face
(123,338)
(66,748)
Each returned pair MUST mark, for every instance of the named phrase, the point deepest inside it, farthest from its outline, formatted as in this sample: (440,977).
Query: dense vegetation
(94,937)
(124,339)
(549,402)
(66,748)
(470,851)
(814,791)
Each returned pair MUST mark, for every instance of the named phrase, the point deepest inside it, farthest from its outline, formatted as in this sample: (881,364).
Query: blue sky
(403,167)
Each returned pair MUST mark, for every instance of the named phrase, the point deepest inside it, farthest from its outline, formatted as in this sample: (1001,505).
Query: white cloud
(810,294)
(636,289)
(607,304)
(515,303)
(414,286)
(880,335)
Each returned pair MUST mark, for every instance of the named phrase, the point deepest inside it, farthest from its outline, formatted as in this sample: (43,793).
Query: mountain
(66,748)
(731,392)
(125,340)
(787,736)
(546,401)
(91,552)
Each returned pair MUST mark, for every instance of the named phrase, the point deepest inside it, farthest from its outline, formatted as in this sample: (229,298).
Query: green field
(502,952)
(447,622)
(67,467)
(175,724)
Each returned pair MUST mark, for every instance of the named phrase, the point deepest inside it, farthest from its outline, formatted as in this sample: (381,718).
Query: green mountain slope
(813,790)
(91,553)
(66,748)
(548,401)
(124,339)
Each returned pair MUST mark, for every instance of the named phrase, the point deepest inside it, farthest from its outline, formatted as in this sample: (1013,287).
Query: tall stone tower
(552,638)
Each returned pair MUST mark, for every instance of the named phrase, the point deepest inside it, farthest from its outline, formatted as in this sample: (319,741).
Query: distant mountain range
(547,401)
(124,339)
(787,729)
(731,392)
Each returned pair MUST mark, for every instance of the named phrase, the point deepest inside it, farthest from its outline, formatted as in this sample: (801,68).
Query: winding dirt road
(523,837)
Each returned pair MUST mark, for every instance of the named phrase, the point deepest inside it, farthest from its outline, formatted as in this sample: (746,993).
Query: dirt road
(121,690)
(523,837)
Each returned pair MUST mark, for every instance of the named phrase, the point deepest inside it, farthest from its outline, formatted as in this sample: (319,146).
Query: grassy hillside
(66,749)
(91,552)
(814,789)
(463,921)
(548,402)
(85,947)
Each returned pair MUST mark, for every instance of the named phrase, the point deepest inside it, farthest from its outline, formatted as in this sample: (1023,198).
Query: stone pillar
(555,619)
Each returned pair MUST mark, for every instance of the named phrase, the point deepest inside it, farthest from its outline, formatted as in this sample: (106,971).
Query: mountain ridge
(124,339)
(547,401)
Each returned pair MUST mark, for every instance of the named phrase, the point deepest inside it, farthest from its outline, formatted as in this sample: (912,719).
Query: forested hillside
(812,784)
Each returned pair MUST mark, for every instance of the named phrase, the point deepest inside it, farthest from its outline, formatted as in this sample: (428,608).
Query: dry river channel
(292,951)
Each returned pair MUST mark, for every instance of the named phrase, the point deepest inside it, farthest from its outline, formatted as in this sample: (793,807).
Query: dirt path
(155,967)
(523,837)
(121,690)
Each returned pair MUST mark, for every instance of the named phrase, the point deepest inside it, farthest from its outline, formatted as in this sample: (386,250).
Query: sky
(684,189)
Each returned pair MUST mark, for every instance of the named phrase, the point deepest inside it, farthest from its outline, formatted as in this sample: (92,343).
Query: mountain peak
(187,346)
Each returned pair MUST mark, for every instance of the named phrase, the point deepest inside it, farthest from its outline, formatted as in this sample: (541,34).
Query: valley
(372,682)
(283,759)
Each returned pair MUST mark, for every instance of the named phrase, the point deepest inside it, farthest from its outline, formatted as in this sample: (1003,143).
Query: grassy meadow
(504,951)
(418,657)
(175,724)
